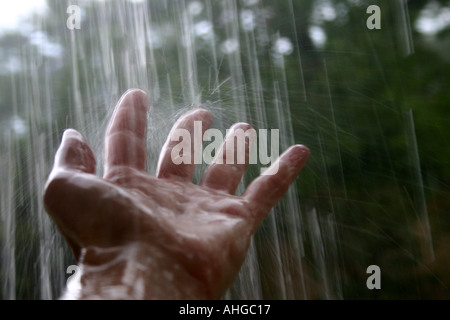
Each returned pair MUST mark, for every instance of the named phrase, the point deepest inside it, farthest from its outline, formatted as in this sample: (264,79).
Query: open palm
(187,240)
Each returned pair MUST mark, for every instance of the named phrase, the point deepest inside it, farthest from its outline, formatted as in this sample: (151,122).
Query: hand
(138,236)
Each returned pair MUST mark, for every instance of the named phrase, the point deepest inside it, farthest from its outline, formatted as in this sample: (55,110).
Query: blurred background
(370,103)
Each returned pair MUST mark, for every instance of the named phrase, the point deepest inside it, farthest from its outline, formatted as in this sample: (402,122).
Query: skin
(139,236)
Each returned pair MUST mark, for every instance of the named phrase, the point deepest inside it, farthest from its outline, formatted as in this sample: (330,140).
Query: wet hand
(139,236)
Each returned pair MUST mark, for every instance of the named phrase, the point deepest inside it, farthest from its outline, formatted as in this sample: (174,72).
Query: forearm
(134,272)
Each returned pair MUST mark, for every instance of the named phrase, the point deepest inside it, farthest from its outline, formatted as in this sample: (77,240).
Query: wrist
(134,271)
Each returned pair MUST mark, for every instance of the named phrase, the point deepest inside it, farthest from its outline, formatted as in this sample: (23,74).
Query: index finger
(126,133)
